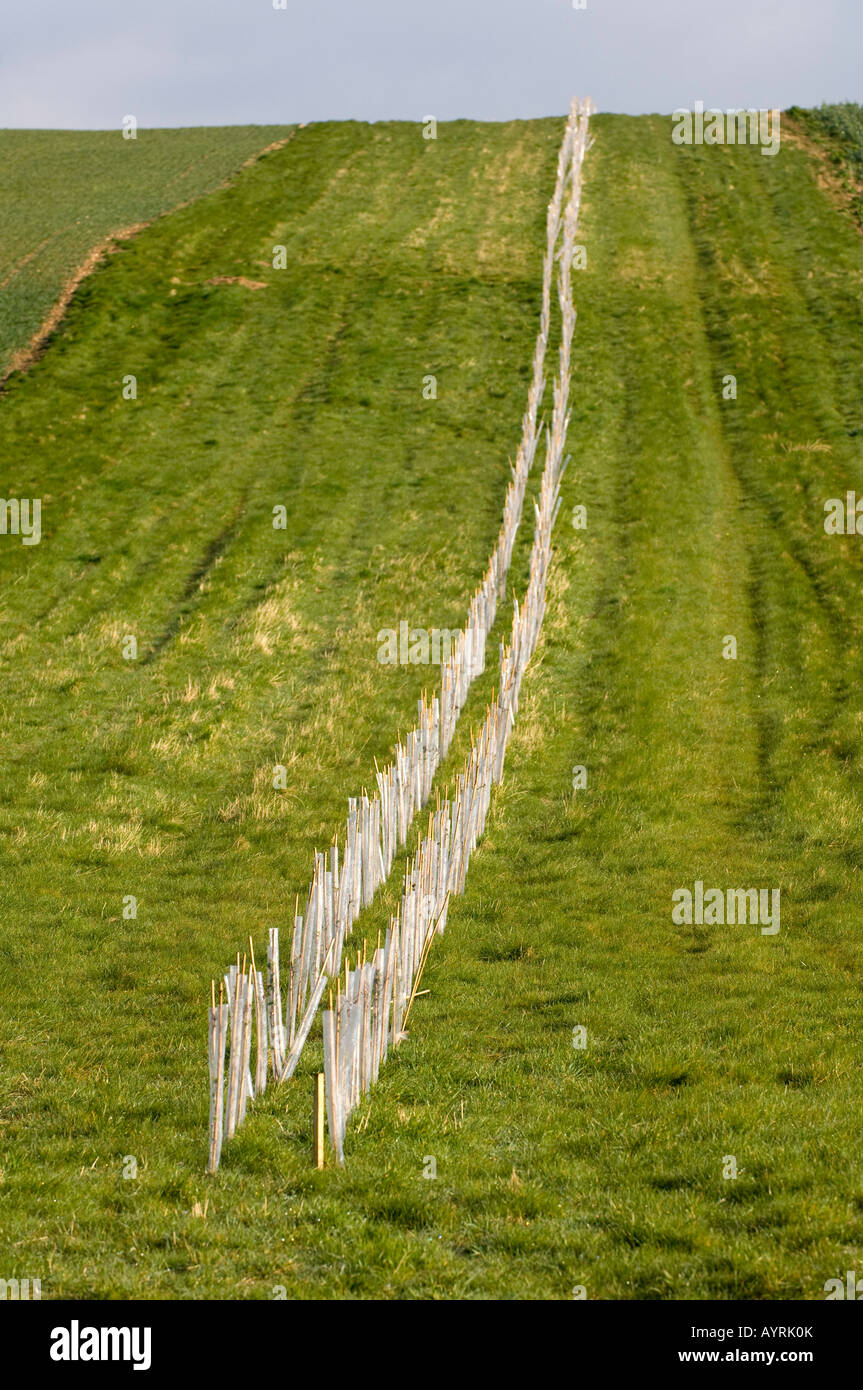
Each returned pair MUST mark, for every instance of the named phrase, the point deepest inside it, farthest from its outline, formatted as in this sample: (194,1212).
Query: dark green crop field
(710,1050)
(63,192)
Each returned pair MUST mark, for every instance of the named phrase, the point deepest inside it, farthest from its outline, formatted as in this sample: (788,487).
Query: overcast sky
(89,63)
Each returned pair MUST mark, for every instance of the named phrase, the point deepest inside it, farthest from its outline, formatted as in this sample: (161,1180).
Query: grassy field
(63,192)
(556,1167)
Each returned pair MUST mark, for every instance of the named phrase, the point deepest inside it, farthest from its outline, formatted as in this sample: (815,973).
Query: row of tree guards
(369,1005)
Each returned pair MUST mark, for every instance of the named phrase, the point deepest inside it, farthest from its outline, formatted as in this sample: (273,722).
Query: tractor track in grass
(773,540)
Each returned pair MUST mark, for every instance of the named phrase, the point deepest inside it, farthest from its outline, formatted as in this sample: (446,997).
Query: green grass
(556,1167)
(63,192)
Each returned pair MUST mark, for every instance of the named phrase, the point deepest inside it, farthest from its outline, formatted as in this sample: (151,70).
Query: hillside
(556,1167)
